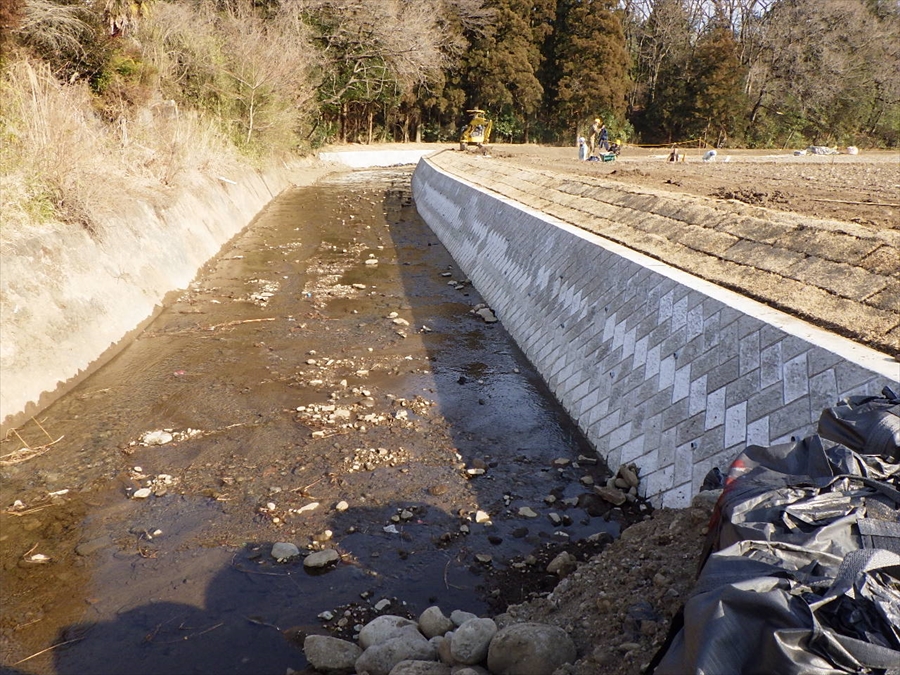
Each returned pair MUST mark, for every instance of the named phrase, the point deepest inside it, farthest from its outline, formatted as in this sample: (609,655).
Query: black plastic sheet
(801,569)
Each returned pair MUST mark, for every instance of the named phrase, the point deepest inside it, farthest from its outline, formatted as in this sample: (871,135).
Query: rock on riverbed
(438,645)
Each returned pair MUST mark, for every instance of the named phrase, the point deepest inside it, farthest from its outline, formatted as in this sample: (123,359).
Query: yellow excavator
(477,131)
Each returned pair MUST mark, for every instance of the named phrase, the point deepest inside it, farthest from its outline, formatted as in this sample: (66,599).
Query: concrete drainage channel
(117,522)
(320,430)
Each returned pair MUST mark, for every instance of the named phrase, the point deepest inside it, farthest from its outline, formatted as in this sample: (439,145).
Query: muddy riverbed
(324,382)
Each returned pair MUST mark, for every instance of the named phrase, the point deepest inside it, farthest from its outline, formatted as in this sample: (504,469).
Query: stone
(283,550)
(471,670)
(158,437)
(611,495)
(382,604)
(143,493)
(530,649)
(381,658)
(433,622)
(527,512)
(341,506)
(321,559)
(312,506)
(420,668)
(330,655)
(629,476)
(443,648)
(459,617)
(482,517)
(487,315)
(383,628)
(562,564)
(471,641)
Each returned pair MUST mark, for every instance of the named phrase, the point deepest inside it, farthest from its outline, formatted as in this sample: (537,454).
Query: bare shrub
(269,65)
(49,27)
(186,50)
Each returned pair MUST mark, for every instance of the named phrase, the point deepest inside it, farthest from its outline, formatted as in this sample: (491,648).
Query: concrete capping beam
(657,367)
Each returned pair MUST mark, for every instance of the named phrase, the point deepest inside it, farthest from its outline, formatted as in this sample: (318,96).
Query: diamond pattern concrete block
(682,386)
(628,343)
(770,365)
(715,409)
(640,353)
(620,435)
(652,366)
(659,481)
(684,463)
(619,335)
(608,422)
(758,432)
(695,322)
(634,449)
(679,313)
(678,497)
(749,353)
(823,390)
(609,327)
(665,307)
(736,425)
(697,396)
(666,373)
(796,383)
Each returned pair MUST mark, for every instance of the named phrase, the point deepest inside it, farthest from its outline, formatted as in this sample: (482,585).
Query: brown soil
(863,189)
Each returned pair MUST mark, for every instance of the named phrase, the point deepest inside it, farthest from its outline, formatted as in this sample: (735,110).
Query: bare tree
(832,65)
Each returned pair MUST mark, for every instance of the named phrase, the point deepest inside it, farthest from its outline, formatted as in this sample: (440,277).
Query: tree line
(299,73)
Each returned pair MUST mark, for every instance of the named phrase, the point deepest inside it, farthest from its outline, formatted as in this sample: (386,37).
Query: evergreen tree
(592,63)
(716,101)
(500,72)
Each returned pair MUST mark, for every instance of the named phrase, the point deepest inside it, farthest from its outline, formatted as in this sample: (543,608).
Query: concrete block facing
(660,369)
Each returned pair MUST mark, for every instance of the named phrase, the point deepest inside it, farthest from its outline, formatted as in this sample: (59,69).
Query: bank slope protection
(69,296)
(657,367)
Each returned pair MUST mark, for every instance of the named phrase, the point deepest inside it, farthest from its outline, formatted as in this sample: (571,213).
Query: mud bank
(70,295)
(656,366)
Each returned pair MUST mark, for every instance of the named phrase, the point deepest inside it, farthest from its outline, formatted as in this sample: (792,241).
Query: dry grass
(53,146)
(60,162)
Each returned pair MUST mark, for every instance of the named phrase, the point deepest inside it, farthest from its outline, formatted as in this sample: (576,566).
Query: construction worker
(595,135)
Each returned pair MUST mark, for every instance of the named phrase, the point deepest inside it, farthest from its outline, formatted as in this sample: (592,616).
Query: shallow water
(183,581)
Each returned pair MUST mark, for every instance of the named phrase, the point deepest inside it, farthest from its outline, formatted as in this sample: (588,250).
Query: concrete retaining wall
(655,366)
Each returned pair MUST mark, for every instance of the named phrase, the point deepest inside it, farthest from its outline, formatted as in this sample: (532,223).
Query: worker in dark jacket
(604,138)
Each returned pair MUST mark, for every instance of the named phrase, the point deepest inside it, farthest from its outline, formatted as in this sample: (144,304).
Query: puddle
(290,373)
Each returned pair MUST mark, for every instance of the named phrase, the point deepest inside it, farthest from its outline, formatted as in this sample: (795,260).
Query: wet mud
(324,382)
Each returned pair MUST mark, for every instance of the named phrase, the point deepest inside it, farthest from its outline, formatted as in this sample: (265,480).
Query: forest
(272,76)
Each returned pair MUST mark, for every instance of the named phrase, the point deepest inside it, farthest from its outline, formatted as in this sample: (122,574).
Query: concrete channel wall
(656,367)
